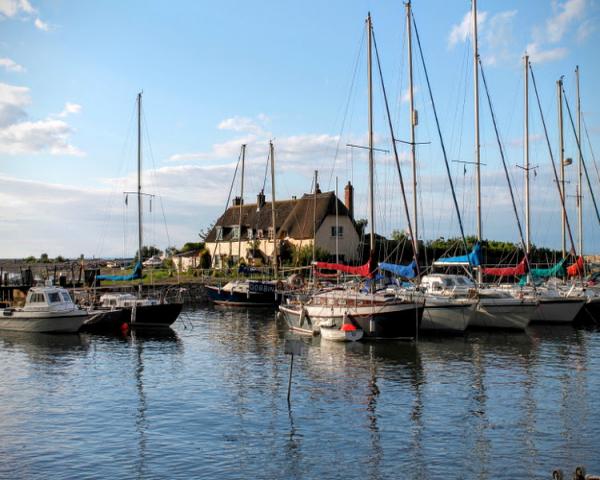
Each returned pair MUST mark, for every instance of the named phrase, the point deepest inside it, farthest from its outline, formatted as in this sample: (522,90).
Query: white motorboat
(48,310)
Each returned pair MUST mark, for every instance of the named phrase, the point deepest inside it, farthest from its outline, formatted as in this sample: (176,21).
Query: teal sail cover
(136,274)
(557,270)
(473,258)
(406,271)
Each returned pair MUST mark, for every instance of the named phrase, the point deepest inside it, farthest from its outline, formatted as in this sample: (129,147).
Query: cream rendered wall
(347,244)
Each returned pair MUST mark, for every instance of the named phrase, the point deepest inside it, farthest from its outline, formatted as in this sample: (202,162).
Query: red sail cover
(520,269)
(576,269)
(363,270)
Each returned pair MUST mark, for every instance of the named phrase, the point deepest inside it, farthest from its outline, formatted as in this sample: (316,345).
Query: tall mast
(272,152)
(477,145)
(526,157)
(561,157)
(241,205)
(579,170)
(337,225)
(139,174)
(413,123)
(370,84)
(314,243)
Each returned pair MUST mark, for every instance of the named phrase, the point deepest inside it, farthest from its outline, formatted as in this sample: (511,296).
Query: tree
(147,252)
(44,258)
(361,224)
(59,259)
(205,231)
(190,246)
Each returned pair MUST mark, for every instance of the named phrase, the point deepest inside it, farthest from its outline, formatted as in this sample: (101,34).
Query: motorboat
(48,310)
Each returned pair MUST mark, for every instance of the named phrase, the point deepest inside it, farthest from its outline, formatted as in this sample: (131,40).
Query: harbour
(207,399)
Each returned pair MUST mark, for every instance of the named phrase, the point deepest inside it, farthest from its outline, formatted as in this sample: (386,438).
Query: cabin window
(250,234)
(37,298)
(66,297)
(219,233)
(337,231)
(54,297)
(235,233)
(271,233)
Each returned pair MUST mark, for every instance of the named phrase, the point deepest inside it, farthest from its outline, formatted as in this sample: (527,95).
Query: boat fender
(579,473)
(124,328)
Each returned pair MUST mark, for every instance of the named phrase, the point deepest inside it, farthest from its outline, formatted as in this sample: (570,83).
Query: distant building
(295,222)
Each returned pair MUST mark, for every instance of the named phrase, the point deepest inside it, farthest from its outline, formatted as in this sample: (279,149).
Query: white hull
(557,310)
(29,322)
(504,313)
(447,315)
(336,335)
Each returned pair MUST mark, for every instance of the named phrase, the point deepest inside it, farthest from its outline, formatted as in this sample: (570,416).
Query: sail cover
(363,270)
(557,270)
(576,269)
(406,271)
(473,258)
(520,269)
(136,274)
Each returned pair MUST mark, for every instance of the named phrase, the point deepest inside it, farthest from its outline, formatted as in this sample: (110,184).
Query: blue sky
(218,74)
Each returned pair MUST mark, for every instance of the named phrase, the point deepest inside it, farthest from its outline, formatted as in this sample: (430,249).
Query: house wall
(347,244)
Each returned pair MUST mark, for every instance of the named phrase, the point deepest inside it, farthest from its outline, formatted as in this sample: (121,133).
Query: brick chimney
(260,200)
(349,198)
(237,201)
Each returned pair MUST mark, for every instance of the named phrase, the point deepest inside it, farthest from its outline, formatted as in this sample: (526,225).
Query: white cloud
(463,31)
(244,124)
(70,108)
(11,66)
(18,135)
(10,8)
(537,55)
(41,25)
(406,94)
(585,30)
(42,136)
(567,13)
(13,99)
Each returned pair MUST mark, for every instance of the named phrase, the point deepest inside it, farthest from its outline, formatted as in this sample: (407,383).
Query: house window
(271,233)
(337,231)
(250,234)
(219,233)
(259,233)
(235,232)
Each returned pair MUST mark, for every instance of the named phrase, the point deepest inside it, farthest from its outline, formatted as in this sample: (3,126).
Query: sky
(216,75)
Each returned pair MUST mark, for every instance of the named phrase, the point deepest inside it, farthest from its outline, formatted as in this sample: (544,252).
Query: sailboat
(251,293)
(380,314)
(134,310)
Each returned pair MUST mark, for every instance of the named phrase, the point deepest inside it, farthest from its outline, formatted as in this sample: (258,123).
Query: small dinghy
(347,333)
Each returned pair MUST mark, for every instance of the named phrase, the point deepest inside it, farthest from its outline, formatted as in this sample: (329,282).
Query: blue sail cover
(473,258)
(406,271)
(136,274)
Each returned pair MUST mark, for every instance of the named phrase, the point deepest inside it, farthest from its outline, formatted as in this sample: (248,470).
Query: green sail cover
(557,270)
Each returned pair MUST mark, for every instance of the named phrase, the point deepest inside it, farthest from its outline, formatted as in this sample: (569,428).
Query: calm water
(208,400)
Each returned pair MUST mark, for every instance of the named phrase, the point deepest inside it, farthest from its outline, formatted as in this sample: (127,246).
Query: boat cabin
(48,298)
(445,282)
(124,300)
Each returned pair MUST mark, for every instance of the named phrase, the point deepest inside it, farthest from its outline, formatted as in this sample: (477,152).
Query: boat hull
(560,310)
(242,299)
(592,308)
(28,322)
(391,321)
(152,316)
(501,313)
(105,321)
(447,317)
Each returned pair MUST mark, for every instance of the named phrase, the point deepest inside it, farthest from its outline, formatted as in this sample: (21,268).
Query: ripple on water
(208,400)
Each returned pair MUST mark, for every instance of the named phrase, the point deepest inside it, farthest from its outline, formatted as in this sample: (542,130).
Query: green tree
(59,259)
(44,258)
(147,252)
(190,246)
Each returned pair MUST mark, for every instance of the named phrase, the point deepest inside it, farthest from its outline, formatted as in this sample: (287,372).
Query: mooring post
(290,379)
